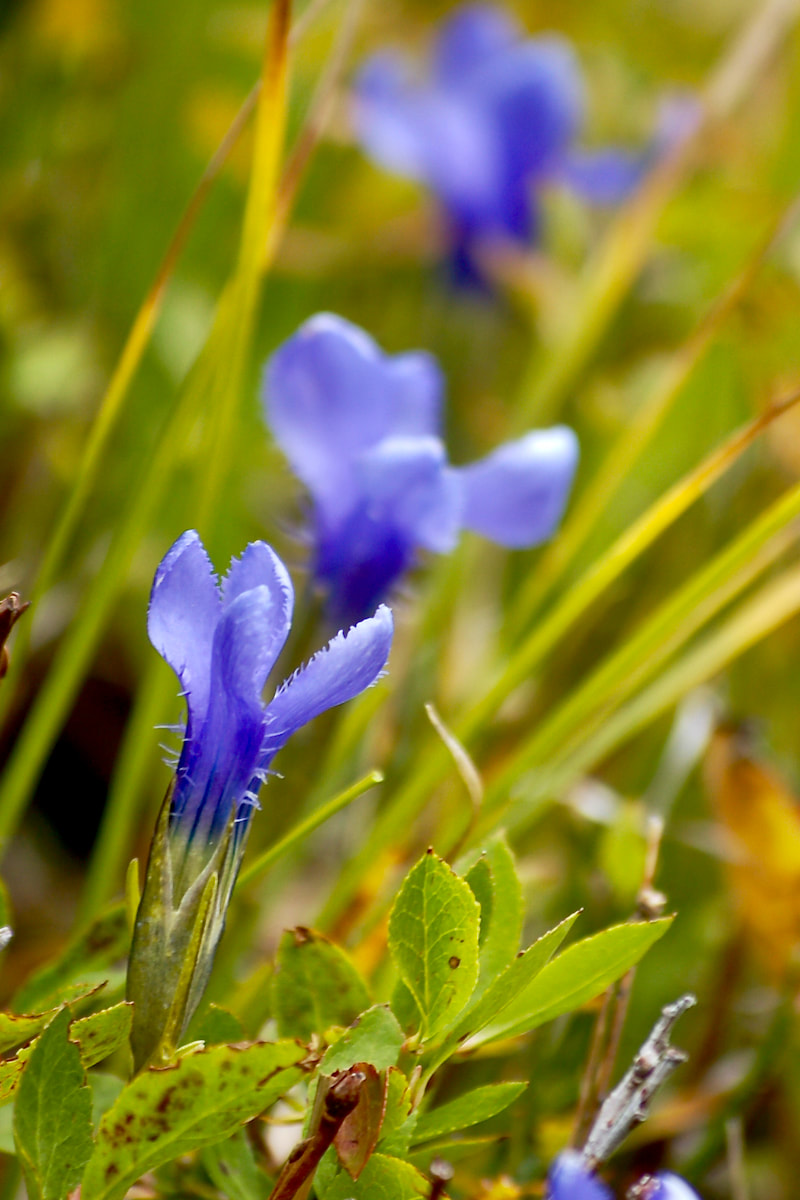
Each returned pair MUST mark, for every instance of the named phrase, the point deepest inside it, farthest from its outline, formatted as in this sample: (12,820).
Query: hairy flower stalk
(222,640)
(361,429)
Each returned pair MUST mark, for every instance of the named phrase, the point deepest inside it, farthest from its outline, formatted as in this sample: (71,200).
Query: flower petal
(605,176)
(672,1187)
(427,133)
(535,97)
(327,399)
(387,116)
(417,388)
(349,663)
(569,1180)
(407,487)
(470,38)
(185,606)
(259,566)
(249,637)
(517,494)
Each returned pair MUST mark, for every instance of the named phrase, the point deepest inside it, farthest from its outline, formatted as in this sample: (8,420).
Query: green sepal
(174,941)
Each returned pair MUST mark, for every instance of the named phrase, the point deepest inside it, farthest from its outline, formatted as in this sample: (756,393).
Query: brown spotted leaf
(169,1111)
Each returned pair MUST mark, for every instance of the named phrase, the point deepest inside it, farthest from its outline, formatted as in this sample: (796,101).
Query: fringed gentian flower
(222,641)
(569,1179)
(361,430)
(496,119)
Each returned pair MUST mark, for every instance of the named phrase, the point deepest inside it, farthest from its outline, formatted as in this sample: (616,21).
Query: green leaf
(433,937)
(314,985)
(232,1168)
(470,1109)
(101,1033)
(405,1007)
(97,1035)
(517,976)
(215,1026)
(374,1038)
(106,941)
(399,1122)
(383,1178)
(53,1115)
(495,873)
(7,1143)
(479,878)
(168,1111)
(17,1028)
(582,972)
(452,1149)
(105,1089)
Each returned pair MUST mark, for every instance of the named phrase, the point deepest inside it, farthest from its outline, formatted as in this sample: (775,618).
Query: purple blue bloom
(496,119)
(361,429)
(569,1179)
(667,1186)
(222,641)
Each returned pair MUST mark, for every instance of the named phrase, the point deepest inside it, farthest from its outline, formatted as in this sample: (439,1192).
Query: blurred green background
(109,112)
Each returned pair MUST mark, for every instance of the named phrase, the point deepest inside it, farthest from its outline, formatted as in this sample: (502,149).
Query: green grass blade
(755,619)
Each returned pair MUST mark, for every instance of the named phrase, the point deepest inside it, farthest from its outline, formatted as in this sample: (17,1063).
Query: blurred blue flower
(361,430)
(222,642)
(666,1186)
(496,119)
(570,1180)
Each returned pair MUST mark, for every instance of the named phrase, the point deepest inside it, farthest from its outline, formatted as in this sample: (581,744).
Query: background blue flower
(361,430)
(570,1180)
(495,119)
(222,641)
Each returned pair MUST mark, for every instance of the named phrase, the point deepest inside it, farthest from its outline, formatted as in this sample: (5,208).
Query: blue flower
(666,1186)
(222,641)
(569,1179)
(361,430)
(496,120)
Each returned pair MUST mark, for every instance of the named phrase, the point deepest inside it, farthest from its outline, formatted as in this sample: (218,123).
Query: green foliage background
(109,113)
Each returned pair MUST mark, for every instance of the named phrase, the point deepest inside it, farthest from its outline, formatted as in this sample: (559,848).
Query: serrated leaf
(433,938)
(383,1178)
(53,1115)
(501,927)
(582,972)
(314,985)
(165,1112)
(232,1168)
(399,1122)
(97,1035)
(18,1028)
(470,1109)
(101,1033)
(375,1038)
(105,941)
